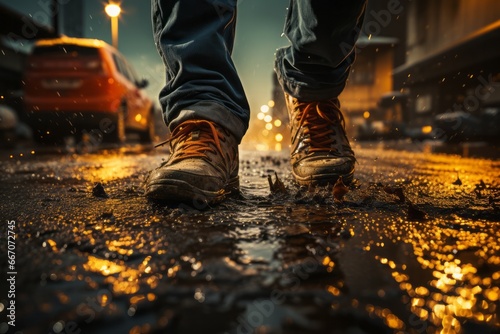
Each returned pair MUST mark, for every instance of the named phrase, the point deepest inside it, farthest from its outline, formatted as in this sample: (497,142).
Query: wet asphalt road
(413,247)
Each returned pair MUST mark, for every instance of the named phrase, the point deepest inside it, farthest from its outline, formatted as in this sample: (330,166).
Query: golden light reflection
(124,246)
(63,298)
(105,267)
(328,263)
(50,244)
(137,299)
(492,294)
(390,319)
(173,271)
(106,167)
(124,280)
(457,291)
(333,290)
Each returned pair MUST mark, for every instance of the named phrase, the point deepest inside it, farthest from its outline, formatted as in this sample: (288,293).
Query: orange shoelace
(196,139)
(319,133)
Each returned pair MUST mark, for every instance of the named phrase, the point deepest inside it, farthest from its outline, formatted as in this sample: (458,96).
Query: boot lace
(318,134)
(196,139)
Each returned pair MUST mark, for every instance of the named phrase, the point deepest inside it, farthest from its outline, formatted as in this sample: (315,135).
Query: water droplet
(199,296)
(131,310)
(58,327)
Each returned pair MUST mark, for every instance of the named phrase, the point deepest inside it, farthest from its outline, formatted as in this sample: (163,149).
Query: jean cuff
(312,91)
(215,112)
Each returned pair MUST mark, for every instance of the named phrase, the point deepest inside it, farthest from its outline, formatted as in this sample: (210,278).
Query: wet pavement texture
(412,247)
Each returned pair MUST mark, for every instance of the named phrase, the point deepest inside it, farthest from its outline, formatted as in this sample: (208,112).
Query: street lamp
(113,10)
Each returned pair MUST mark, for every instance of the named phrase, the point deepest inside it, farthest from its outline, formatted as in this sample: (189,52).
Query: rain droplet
(131,310)
(58,327)
(199,296)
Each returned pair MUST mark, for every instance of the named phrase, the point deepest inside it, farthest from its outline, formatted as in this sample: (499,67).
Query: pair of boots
(203,165)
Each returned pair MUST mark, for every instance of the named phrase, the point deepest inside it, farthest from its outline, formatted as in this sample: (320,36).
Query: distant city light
(427,129)
(277,123)
(264,108)
(113,10)
(269,126)
(278,137)
(366,114)
(260,116)
(270,103)
(268,118)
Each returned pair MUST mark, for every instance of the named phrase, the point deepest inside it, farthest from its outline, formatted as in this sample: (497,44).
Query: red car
(75,85)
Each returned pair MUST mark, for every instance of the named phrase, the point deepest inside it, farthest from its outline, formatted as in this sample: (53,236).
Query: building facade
(452,60)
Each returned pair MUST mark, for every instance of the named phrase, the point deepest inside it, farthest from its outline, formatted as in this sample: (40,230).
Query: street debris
(346,234)
(457,182)
(295,230)
(276,187)
(479,188)
(415,214)
(339,190)
(398,191)
(98,190)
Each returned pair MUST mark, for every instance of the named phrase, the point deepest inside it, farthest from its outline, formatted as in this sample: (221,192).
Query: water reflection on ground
(413,247)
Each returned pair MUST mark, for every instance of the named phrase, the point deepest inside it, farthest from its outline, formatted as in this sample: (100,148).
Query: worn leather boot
(320,151)
(202,167)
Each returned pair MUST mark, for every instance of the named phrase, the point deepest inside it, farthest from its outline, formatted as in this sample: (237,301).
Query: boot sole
(323,179)
(178,191)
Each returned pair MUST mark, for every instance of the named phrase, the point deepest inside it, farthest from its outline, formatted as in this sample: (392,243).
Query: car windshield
(61,49)
(65,57)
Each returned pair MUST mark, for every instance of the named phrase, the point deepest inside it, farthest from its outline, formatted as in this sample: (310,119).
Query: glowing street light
(113,10)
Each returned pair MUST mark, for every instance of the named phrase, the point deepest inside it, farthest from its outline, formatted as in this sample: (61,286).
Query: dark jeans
(195,40)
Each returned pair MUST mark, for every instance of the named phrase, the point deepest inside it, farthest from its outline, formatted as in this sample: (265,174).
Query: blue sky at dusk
(258,34)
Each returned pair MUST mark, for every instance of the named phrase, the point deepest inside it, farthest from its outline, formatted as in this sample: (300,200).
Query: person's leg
(203,101)
(195,40)
(322,34)
(313,71)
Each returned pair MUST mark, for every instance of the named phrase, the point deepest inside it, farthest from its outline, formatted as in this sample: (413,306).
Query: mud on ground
(411,247)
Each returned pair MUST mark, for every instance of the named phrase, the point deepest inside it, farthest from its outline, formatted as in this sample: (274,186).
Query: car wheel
(117,131)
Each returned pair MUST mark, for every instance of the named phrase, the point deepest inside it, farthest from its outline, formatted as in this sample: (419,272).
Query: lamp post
(113,10)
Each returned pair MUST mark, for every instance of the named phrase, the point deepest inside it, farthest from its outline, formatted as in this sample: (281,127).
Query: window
(422,23)
(423,103)
(62,49)
(122,67)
